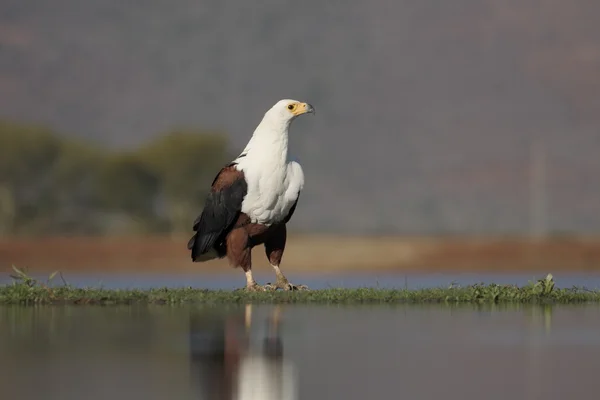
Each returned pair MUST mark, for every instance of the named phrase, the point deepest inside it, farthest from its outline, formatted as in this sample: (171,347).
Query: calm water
(301,352)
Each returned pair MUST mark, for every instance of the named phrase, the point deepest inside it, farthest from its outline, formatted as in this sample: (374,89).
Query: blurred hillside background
(471,117)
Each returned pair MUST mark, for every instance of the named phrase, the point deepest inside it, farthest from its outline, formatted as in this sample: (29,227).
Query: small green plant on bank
(26,290)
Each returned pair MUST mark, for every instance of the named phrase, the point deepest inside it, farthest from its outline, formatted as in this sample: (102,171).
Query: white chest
(272,191)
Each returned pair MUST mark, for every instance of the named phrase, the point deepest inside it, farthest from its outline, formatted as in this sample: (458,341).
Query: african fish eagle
(253,198)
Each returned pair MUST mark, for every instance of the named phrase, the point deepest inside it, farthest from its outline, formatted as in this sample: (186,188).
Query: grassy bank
(27,291)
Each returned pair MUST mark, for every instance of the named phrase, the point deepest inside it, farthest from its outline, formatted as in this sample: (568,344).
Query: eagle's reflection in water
(224,364)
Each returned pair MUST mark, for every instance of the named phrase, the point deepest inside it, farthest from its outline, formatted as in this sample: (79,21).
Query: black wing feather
(221,210)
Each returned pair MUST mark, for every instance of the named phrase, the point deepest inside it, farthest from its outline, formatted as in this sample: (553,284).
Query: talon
(270,287)
(254,288)
(300,287)
(288,286)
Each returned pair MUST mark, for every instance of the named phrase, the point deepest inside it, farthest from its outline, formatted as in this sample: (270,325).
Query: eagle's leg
(239,254)
(251,284)
(274,248)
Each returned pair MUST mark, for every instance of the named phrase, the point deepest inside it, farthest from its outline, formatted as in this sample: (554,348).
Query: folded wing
(221,211)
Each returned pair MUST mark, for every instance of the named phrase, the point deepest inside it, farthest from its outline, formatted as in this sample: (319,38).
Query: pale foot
(251,285)
(254,287)
(284,284)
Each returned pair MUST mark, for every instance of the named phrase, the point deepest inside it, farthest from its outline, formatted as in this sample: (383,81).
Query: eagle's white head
(270,138)
(285,111)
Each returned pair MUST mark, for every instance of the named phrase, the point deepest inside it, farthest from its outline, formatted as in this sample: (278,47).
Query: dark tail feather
(203,247)
(191,242)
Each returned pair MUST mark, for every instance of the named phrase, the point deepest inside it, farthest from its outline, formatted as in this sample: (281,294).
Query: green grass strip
(27,291)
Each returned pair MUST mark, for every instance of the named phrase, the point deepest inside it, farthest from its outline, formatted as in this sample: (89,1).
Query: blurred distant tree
(47,183)
(185,162)
(54,185)
(27,156)
(75,176)
(129,188)
(7,210)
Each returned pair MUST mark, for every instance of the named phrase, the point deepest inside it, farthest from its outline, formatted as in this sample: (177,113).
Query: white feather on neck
(273,181)
(269,141)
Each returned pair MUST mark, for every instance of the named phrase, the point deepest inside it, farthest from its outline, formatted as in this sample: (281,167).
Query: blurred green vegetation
(51,184)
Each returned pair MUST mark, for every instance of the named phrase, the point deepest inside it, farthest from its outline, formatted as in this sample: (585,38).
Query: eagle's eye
(291,106)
